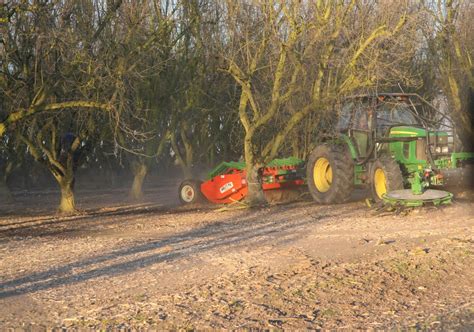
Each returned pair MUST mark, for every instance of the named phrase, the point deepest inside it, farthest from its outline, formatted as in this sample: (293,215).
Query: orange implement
(225,188)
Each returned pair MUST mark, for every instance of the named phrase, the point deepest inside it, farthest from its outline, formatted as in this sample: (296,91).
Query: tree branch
(24,113)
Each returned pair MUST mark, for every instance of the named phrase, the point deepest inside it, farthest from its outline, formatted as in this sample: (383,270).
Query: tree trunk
(255,196)
(140,172)
(67,203)
(462,116)
(295,147)
(5,193)
(184,164)
(186,171)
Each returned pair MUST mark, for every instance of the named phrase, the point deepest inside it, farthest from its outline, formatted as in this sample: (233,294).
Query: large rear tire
(190,192)
(385,176)
(330,174)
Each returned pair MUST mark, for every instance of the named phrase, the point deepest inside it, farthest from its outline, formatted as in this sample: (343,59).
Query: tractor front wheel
(190,192)
(330,174)
(385,176)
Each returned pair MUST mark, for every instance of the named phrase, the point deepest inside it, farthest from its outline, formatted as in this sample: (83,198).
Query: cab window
(390,114)
(344,116)
(362,116)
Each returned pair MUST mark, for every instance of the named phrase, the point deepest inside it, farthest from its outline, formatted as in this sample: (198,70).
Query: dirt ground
(291,266)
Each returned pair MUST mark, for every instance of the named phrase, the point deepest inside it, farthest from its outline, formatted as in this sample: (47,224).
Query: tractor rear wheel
(330,174)
(385,176)
(190,192)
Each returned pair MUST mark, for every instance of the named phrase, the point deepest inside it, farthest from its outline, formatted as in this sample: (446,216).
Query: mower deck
(407,198)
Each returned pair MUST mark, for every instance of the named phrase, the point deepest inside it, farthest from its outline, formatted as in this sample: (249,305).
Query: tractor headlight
(445,149)
(438,149)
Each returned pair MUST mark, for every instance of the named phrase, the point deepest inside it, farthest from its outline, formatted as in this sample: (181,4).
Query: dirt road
(298,265)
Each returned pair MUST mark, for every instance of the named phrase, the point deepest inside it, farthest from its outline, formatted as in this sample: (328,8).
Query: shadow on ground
(251,227)
(52,225)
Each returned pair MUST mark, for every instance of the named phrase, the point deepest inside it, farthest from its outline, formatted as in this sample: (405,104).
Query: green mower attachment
(405,197)
(419,194)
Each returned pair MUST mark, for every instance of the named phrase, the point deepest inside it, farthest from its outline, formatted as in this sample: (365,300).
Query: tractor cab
(369,121)
(390,114)
(403,125)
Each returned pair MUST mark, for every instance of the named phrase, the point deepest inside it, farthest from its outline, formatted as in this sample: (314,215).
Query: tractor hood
(408,131)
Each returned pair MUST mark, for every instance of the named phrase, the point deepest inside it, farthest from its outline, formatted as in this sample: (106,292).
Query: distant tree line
(148,83)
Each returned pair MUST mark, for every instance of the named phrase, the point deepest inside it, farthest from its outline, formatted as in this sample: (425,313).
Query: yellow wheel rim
(380,182)
(322,175)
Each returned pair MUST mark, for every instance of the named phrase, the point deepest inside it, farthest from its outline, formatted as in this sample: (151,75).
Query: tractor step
(406,197)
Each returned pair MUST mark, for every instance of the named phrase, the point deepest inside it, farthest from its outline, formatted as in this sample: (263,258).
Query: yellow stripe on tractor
(397,132)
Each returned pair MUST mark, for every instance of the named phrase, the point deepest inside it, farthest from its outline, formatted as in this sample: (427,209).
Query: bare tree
(452,51)
(65,56)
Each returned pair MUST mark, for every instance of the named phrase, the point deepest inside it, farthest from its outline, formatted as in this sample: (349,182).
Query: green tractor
(386,142)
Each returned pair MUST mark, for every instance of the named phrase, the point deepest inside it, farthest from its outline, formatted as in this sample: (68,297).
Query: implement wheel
(190,192)
(385,176)
(330,174)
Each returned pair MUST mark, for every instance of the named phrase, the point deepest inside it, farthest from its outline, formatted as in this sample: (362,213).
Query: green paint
(460,156)
(418,202)
(417,186)
(410,162)
(359,174)
(352,149)
(224,166)
(290,161)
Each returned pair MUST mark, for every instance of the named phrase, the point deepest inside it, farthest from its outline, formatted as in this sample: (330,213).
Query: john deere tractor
(386,142)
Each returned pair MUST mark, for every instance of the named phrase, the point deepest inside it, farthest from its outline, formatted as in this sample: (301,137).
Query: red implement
(280,178)
(227,182)
(225,188)
(232,186)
